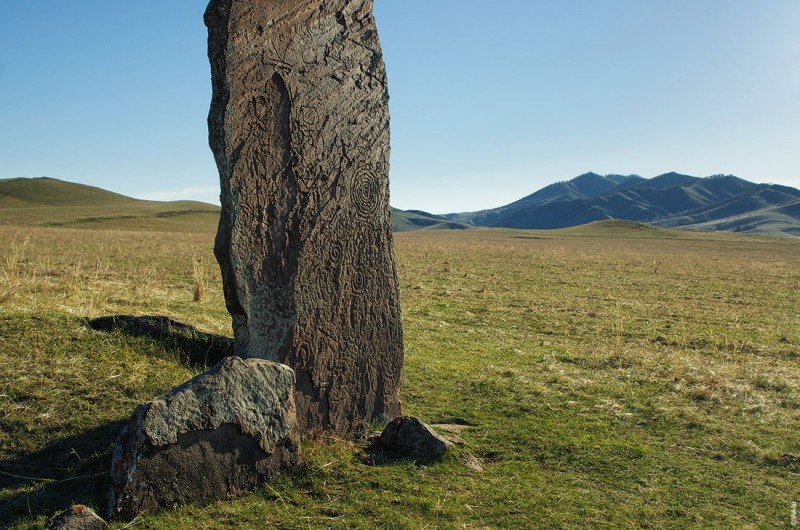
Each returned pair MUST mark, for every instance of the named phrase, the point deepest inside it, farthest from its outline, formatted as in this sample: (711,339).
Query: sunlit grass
(606,380)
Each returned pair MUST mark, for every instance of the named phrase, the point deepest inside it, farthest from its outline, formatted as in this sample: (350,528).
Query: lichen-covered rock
(213,437)
(299,127)
(78,517)
(410,437)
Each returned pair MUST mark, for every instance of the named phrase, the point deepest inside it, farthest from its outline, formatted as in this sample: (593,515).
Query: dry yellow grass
(99,272)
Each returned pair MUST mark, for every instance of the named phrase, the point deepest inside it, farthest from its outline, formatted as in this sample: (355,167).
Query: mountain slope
(52,202)
(45,191)
(409,220)
(671,200)
(582,187)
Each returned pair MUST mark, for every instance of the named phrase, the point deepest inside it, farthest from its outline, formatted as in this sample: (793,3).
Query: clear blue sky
(487,105)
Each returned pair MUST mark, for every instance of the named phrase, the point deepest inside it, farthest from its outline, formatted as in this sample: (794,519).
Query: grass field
(608,376)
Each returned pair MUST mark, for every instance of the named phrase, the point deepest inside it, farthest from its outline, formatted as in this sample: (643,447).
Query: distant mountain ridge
(411,220)
(671,200)
(581,187)
(719,202)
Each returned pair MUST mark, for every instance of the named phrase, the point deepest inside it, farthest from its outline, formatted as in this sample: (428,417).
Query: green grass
(610,376)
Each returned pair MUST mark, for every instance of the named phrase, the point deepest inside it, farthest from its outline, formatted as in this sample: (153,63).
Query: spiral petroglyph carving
(359,281)
(299,129)
(335,252)
(367,193)
(304,351)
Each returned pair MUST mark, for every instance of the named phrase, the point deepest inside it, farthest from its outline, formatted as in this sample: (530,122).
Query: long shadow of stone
(192,346)
(75,469)
(375,454)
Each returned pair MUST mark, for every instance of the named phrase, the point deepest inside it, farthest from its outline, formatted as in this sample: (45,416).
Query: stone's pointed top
(409,436)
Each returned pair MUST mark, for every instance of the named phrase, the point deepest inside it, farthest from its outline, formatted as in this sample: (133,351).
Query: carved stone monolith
(299,127)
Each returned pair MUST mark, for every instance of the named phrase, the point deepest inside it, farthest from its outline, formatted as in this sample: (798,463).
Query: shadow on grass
(190,345)
(75,467)
(376,454)
(73,470)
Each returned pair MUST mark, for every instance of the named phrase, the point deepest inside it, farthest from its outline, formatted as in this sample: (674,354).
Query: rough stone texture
(215,436)
(78,517)
(299,127)
(410,437)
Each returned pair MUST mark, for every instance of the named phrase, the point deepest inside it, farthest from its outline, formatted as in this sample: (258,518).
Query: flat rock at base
(78,517)
(218,435)
(410,437)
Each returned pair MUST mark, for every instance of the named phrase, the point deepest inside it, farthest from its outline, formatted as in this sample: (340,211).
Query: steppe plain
(607,376)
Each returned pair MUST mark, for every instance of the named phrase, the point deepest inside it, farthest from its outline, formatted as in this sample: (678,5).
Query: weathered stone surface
(215,436)
(78,517)
(410,437)
(299,127)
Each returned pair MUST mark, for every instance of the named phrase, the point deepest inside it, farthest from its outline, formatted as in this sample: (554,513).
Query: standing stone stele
(299,127)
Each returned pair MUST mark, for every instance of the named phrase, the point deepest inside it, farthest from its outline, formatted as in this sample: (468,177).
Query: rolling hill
(51,202)
(721,202)
(47,192)
(409,220)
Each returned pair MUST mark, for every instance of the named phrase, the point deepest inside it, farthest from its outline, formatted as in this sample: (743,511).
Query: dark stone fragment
(410,437)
